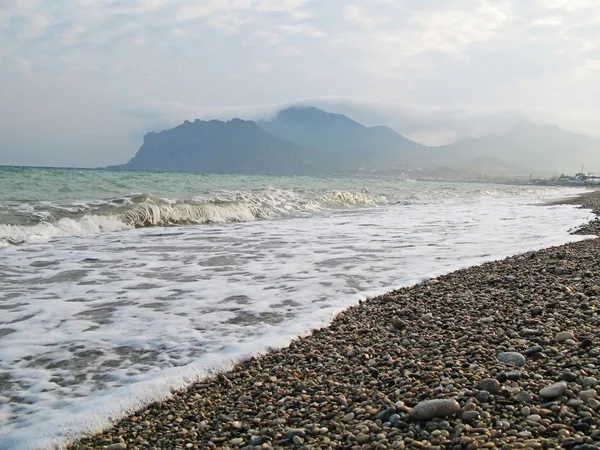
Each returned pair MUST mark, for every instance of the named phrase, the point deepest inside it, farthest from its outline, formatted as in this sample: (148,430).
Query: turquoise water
(42,203)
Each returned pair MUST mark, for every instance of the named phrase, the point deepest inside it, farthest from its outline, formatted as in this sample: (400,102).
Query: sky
(81,81)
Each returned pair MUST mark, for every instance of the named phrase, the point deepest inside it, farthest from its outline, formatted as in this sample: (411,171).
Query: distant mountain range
(310,141)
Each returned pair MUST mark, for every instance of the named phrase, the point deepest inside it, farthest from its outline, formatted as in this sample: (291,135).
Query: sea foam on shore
(353,384)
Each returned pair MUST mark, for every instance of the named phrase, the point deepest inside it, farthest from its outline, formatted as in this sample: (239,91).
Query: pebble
(470,415)
(117,446)
(490,385)
(593,403)
(362,438)
(429,409)
(563,336)
(585,395)
(399,324)
(513,375)
(554,390)
(289,434)
(483,396)
(524,397)
(512,358)
(348,417)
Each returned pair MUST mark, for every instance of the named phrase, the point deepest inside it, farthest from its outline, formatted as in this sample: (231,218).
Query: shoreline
(354,383)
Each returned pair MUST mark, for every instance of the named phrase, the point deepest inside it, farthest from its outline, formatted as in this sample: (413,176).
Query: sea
(117,288)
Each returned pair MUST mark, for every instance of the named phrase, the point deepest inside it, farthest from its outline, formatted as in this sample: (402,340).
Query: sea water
(118,287)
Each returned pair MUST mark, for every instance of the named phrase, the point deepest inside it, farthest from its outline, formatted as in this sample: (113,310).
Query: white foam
(89,224)
(104,325)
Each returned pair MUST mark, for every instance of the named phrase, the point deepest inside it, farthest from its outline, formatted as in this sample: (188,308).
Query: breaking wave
(146,210)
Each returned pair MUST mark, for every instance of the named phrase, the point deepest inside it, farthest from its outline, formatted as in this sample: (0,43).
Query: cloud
(304,30)
(37,26)
(448,63)
(200,9)
(22,64)
(229,23)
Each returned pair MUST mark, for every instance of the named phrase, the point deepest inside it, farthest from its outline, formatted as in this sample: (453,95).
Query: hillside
(237,146)
(342,141)
(528,147)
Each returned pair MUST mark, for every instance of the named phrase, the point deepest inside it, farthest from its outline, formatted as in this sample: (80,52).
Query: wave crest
(147,210)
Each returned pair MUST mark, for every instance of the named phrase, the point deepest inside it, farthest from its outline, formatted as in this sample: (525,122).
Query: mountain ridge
(305,140)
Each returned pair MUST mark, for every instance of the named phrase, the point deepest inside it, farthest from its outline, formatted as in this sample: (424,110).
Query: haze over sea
(116,287)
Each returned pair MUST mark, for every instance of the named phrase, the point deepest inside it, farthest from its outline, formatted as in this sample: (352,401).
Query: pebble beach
(501,355)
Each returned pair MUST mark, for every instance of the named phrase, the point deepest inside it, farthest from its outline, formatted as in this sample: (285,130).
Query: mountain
(344,143)
(237,146)
(310,141)
(528,146)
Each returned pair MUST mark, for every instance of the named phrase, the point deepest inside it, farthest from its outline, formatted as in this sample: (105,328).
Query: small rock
(394,419)
(117,446)
(385,415)
(513,358)
(588,382)
(490,385)
(536,310)
(563,336)
(297,440)
(532,350)
(427,316)
(483,396)
(429,409)
(398,324)
(236,441)
(259,440)
(585,343)
(470,415)
(362,438)
(289,434)
(513,375)
(593,403)
(568,376)
(524,397)
(584,395)
(348,418)
(554,390)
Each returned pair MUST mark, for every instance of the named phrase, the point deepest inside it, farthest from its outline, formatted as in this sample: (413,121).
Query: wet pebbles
(415,368)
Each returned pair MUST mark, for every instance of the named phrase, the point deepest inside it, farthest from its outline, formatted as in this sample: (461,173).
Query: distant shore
(513,346)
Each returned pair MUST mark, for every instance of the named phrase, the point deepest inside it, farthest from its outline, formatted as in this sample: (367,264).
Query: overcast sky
(81,81)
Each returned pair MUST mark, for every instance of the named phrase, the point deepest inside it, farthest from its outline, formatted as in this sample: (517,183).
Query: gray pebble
(429,409)
(490,385)
(563,336)
(554,390)
(513,358)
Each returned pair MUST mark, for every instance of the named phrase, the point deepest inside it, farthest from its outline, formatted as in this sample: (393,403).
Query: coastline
(354,383)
